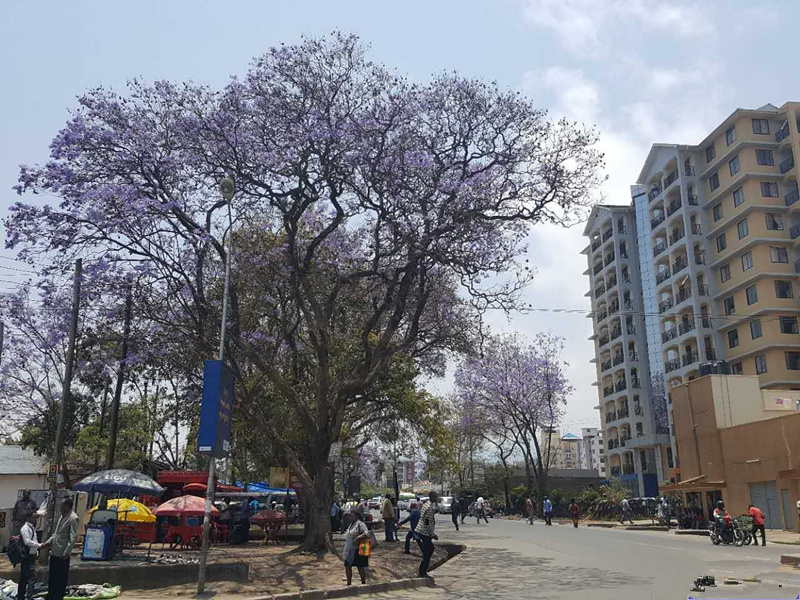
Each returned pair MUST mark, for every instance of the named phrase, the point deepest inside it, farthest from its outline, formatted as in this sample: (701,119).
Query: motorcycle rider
(722,517)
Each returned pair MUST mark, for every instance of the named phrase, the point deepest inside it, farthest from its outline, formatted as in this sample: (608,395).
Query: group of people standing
(547,511)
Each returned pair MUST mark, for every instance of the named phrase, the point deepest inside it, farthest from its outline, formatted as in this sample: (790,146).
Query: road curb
(790,559)
(354,590)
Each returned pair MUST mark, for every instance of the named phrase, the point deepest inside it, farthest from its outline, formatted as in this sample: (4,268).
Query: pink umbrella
(184,505)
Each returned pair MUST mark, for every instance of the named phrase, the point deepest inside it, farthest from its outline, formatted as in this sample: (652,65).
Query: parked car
(406,498)
(445,504)
(374,503)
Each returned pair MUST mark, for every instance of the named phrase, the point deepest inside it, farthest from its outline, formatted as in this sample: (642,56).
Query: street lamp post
(227,188)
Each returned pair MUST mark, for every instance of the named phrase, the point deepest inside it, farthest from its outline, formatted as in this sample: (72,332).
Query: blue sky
(643,71)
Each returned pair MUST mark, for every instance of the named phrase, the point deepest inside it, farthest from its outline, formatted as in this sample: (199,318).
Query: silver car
(445,504)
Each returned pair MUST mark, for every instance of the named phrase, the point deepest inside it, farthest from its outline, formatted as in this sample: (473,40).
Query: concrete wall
(11,484)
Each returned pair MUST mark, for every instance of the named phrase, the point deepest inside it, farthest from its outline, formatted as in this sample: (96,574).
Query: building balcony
(782,133)
(705,321)
(677,236)
(653,193)
(674,206)
(656,221)
(711,354)
(618,359)
(787,165)
(696,229)
(665,305)
(672,365)
(623,414)
(605,365)
(669,334)
(614,307)
(607,235)
(679,265)
(613,443)
(628,305)
(699,259)
(797,266)
(599,291)
(601,316)
(663,276)
(635,383)
(702,289)
(615,471)
(686,326)
(630,329)
(609,259)
(794,232)
(611,417)
(638,411)
(615,333)
(658,249)
(596,244)
(602,341)
(612,283)
(621,385)
(791,197)
(683,295)
(627,469)
(690,358)
(670,178)
(693,200)
(607,391)
(688,170)
(597,268)
(632,356)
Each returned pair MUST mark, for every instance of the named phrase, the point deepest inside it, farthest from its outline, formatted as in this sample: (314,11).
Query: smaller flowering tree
(519,389)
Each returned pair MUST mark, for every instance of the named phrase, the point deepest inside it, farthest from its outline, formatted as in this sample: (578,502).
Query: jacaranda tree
(374,217)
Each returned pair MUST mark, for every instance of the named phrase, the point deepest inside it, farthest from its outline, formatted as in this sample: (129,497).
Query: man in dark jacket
(413,519)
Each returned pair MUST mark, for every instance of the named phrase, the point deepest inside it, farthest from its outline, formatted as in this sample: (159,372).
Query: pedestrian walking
(27,568)
(387,512)
(758,525)
(575,513)
(529,510)
(412,519)
(454,512)
(357,546)
(548,511)
(22,508)
(625,509)
(464,508)
(62,542)
(663,512)
(336,516)
(426,530)
(480,511)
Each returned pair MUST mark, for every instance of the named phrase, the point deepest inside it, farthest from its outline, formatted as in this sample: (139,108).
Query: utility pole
(103,408)
(66,396)
(2,337)
(112,438)
(226,186)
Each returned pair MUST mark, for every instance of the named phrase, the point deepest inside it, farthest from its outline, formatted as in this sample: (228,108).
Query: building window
(778,254)
(789,325)
(747,261)
(792,361)
(623,250)
(733,338)
(733,165)
(738,197)
(752,295)
(711,153)
(713,182)
(729,305)
(670,462)
(724,273)
(755,329)
(761,364)
(741,227)
(717,210)
(769,189)
(761,126)
(774,222)
(737,369)
(764,157)
(730,135)
(721,243)
(621,225)
(783,288)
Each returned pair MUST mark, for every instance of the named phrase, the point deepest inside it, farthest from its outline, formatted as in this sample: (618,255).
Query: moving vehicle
(374,503)
(445,504)
(731,535)
(405,500)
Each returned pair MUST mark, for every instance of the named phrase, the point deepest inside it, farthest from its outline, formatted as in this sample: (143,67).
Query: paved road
(507,560)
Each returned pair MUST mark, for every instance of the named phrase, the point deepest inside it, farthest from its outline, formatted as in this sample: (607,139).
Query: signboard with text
(216,412)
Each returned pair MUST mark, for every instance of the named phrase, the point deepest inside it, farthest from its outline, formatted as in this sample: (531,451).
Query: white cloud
(576,96)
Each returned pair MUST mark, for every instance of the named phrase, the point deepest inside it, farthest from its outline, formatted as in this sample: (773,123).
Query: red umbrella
(201,488)
(184,505)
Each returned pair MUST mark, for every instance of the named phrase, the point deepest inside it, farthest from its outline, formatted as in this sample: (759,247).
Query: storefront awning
(695,484)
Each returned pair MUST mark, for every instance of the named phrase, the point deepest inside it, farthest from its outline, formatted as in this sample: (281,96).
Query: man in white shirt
(62,542)
(27,567)
(479,510)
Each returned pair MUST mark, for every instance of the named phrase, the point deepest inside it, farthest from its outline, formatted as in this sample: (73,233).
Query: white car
(374,503)
(445,504)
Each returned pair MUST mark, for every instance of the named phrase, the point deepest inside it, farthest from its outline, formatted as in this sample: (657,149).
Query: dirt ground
(277,569)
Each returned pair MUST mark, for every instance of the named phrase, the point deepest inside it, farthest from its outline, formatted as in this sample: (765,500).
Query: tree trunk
(318,512)
(507,493)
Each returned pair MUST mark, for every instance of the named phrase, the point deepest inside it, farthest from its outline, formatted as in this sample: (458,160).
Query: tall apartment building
(711,229)
(591,454)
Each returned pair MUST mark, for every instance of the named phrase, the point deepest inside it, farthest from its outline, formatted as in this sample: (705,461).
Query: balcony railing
(622,442)
(689,358)
(637,410)
(702,289)
(598,267)
(791,197)
(705,321)
(656,221)
(630,328)
(684,294)
(663,276)
(693,200)
(605,365)
(696,229)
(602,341)
(614,307)
(607,235)
(659,248)
(794,232)
(672,365)
(628,305)
(627,469)
(618,359)
(635,383)
(601,316)
(612,282)
(787,165)
(688,170)
(670,178)
(686,326)
(613,443)
(599,291)
(677,236)
(609,259)
(668,334)
(632,356)
(797,266)
(607,391)
(616,333)
(665,305)
(711,354)
(621,386)
(654,192)
(782,133)
(674,206)
(679,265)
(699,259)
(611,417)
(615,471)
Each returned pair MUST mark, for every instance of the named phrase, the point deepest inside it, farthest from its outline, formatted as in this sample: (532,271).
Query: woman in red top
(575,511)
(758,524)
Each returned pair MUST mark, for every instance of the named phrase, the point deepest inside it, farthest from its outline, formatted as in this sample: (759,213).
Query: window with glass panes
(769,189)
(733,338)
(792,361)
(761,126)
(741,228)
(755,329)
(729,305)
(717,211)
(774,222)
(730,135)
(738,197)
(761,364)
(713,181)
(747,261)
(724,273)
(778,254)
(752,295)
(783,288)
(737,369)
(721,242)
(789,325)
(734,166)
(711,153)
(764,157)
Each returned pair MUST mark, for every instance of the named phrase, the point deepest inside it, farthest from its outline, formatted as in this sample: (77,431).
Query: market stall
(187,533)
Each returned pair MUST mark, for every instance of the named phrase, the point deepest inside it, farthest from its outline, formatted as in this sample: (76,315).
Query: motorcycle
(730,535)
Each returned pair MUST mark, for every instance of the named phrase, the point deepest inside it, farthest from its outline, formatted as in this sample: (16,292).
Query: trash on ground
(93,591)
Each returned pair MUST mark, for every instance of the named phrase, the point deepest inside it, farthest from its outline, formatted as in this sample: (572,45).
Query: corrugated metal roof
(14,460)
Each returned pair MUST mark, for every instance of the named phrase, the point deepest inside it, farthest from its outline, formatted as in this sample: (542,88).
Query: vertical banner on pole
(216,411)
